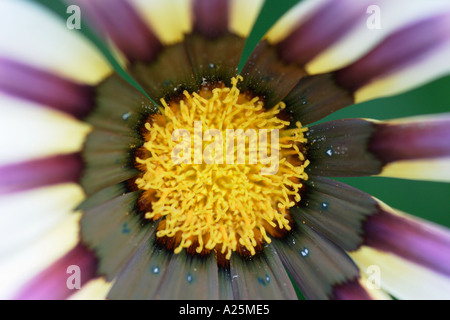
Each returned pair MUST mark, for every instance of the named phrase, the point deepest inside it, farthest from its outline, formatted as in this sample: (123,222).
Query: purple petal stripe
(398,50)
(119,20)
(413,140)
(351,290)
(419,242)
(41,172)
(211,17)
(59,281)
(332,21)
(45,88)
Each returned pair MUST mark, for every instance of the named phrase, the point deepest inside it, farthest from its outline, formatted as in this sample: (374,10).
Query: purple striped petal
(211,17)
(351,290)
(45,88)
(122,23)
(412,140)
(41,172)
(55,283)
(332,21)
(398,50)
(419,242)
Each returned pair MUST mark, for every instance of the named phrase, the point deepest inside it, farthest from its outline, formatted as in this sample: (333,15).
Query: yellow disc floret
(220,171)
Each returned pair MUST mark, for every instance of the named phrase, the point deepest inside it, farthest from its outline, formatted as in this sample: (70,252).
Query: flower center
(220,172)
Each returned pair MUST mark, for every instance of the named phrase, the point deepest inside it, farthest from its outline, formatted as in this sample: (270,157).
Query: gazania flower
(124,184)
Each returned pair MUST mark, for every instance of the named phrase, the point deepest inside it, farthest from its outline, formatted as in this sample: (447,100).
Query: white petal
(18,269)
(31,34)
(401,278)
(27,216)
(30,131)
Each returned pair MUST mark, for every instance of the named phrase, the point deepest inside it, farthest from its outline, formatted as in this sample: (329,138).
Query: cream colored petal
(371,287)
(169,19)
(96,289)
(31,34)
(243,15)
(27,216)
(428,169)
(29,131)
(401,278)
(18,269)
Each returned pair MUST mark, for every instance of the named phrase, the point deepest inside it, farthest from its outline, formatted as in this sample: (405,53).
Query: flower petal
(335,210)
(316,265)
(416,147)
(398,50)
(429,169)
(169,19)
(45,88)
(53,282)
(25,222)
(40,31)
(314,97)
(213,49)
(317,32)
(401,278)
(262,277)
(19,269)
(243,15)
(40,172)
(136,41)
(353,147)
(210,17)
(339,148)
(382,18)
(421,242)
(114,232)
(190,277)
(96,289)
(36,132)
(351,290)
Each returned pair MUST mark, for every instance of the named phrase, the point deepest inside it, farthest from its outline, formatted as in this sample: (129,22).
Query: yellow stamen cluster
(220,206)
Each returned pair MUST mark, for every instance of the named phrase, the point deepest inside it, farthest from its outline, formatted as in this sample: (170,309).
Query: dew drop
(325,205)
(267,278)
(189,278)
(126,116)
(305,252)
(211,65)
(329,152)
(155,270)
(125,228)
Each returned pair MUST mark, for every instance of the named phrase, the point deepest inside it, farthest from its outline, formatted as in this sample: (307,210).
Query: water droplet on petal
(304,252)
(126,116)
